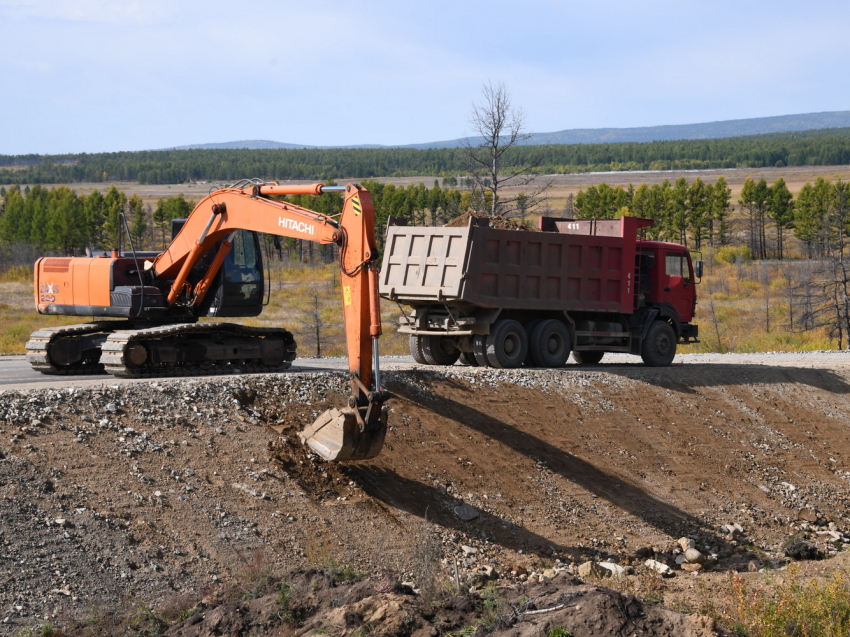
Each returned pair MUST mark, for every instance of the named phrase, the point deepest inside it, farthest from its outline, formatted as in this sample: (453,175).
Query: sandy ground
(159,489)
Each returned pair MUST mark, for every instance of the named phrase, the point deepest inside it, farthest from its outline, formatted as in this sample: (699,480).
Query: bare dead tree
(500,127)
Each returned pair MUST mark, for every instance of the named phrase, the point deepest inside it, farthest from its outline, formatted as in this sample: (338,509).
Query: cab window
(675,264)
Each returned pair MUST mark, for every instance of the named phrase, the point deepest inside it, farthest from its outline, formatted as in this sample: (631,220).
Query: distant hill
(709,130)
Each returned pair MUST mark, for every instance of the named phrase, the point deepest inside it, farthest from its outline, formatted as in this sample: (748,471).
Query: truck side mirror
(698,269)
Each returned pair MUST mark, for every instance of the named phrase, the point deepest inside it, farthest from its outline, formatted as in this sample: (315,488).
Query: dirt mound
(499,223)
(146,495)
(317,602)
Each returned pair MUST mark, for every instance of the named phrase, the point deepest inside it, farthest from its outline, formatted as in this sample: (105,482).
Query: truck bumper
(689,333)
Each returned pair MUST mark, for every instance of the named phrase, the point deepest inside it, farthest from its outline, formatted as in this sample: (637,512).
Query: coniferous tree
(66,228)
(114,203)
(780,208)
(754,197)
(811,214)
(94,213)
(138,222)
(37,209)
(699,210)
(720,210)
(678,206)
(15,222)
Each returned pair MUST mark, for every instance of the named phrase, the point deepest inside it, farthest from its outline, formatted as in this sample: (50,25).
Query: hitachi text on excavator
(213,267)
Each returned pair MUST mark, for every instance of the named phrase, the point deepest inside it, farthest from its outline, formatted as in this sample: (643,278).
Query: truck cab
(666,279)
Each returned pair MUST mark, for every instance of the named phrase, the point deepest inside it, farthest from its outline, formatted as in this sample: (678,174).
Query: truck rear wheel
(549,344)
(479,350)
(439,350)
(415,344)
(659,346)
(468,358)
(587,357)
(507,344)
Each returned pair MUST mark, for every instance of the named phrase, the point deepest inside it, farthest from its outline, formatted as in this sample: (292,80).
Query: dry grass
(746,307)
(18,318)
(794,603)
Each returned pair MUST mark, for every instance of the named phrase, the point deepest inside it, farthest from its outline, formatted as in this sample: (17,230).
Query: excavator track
(39,344)
(118,350)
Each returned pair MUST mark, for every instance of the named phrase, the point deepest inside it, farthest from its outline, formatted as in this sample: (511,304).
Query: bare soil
(174,498)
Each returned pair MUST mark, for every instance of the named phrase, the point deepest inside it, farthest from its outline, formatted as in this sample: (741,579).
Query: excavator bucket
(336,435)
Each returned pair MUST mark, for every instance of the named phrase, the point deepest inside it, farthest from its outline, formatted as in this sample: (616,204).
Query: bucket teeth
(335,435)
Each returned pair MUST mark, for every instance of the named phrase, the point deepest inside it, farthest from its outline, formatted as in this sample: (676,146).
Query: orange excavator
(213,267)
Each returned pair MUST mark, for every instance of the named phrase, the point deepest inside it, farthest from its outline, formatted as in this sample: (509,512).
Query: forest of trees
(61,221)
(57,220)
(37,221)
(807,148)
(695,213)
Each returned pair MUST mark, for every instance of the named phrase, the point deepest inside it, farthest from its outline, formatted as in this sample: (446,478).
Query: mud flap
(335,435)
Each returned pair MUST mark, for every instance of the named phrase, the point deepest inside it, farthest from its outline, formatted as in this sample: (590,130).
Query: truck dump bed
(584,266)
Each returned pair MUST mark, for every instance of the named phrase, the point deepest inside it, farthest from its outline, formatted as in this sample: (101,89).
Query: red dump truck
(504,298)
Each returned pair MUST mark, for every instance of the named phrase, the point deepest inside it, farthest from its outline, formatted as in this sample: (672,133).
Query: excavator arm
(356,431)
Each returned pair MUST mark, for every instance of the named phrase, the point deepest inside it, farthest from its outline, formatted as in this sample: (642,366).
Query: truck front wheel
(415,344)
(507,344)
(659,346)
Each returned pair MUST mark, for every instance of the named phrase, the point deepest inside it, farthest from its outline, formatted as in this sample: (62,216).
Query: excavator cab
(239,287)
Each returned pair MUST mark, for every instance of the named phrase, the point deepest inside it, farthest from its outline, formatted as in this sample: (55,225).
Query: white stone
(616,569)
(659,567)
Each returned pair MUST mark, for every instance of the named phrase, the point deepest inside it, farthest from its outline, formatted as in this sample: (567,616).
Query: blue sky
(98,75)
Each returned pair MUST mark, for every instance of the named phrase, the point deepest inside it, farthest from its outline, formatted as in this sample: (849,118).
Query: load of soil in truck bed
(499,223)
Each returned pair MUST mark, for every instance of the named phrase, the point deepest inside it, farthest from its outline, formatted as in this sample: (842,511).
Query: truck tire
(439,350)
(588,357)
(468,358)
(507,344)
(479,350)
(549,344)
(659,346)
(415,344)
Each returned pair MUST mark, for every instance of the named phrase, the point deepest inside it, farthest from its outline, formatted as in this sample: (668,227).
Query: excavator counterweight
(213,267)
